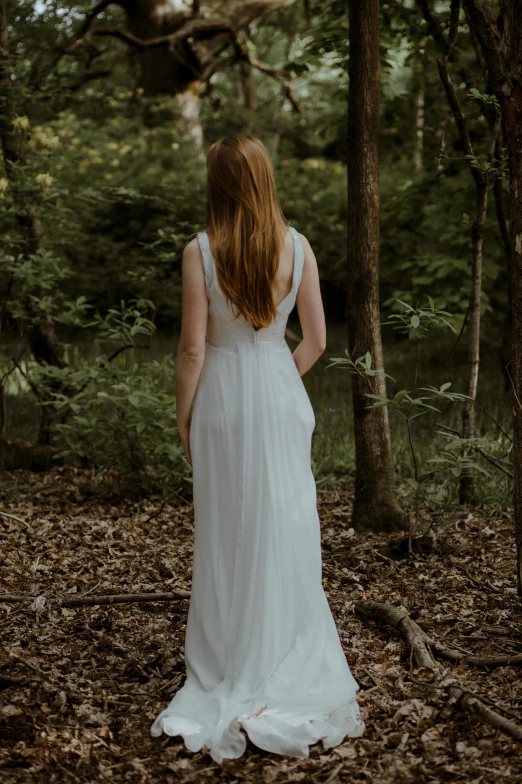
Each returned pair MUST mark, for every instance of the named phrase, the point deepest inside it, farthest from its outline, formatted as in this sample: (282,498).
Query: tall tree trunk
(44,344)
(510,98)
(375,504)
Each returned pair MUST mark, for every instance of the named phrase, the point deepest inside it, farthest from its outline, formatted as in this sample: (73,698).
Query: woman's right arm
(311,313)
(191,349)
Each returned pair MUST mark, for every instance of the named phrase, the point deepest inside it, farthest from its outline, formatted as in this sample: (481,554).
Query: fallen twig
(118,598)
(125,598)
(399,618)
(13,517)
(472,703)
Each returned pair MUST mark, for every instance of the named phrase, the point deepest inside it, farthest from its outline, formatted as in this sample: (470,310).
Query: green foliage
(118,190)
(418,322)
(123,422)
(434,481)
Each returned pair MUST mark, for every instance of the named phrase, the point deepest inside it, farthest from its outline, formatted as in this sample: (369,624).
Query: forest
(395,129)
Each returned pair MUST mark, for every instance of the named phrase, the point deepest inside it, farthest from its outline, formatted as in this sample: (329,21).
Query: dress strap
(208,261)
(298,257)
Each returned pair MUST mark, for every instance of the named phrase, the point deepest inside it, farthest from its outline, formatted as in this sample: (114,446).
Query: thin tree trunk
(510,98)
(375,504)
(419,127)
(468,413)
(481,179)
(280,113)
(248,87)
(507,325)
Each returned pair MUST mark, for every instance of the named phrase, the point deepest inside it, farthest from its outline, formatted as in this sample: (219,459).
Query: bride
(263,656)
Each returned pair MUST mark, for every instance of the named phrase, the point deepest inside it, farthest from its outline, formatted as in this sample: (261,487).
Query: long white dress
(262,651)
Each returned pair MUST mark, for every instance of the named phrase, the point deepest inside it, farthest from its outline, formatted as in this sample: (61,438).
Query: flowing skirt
(262,651)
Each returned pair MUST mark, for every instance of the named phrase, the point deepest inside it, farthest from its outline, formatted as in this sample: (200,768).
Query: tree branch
(282,76)
(91,15)
(91,601)
(471,703)
(90,76)
(236,16)
(453,29)
(451,93)
(487,38)
(399,618)
(490,458)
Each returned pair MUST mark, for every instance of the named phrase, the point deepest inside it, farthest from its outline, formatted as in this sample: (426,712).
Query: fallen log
(91,601)
(399,618)
(125,598)
(471,703)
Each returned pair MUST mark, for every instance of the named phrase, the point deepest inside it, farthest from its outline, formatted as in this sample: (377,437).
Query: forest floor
(92,679)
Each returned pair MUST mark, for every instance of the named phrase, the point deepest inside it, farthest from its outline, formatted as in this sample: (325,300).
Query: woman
(262,651)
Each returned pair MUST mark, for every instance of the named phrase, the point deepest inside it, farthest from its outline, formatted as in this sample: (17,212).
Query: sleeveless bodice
(223,329)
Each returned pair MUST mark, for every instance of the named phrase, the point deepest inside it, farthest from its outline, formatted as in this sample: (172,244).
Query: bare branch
(91,15)
(92,601)
(91,75)
(468,701)
(236,16)
(399,618)
(125,598)
(453,28)
(282,76)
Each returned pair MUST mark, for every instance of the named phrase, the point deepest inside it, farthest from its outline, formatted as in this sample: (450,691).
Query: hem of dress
(274,730)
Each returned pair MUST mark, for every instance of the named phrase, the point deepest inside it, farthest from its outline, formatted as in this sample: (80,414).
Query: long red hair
(246,226)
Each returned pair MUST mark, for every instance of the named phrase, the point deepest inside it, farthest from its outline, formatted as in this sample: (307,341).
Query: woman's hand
(184,433)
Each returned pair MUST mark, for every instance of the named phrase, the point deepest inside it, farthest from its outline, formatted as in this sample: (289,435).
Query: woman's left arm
(191,349)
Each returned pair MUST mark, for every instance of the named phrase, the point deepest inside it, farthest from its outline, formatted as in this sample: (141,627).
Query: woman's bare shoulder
(192,249)
(309,255)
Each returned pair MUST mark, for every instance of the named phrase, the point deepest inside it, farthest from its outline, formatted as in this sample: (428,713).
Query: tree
(509,92)
(481,174)
(173,42)
(42,336)
(375,504)
(500,41)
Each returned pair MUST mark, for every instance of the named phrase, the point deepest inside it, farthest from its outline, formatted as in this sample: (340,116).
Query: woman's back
(224,326)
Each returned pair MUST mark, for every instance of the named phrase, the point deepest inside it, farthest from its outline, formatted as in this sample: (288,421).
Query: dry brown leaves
(100,675)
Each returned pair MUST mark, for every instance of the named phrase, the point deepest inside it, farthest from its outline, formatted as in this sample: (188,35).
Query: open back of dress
(262,651)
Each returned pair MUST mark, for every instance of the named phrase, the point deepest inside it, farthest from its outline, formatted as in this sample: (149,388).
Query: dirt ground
(80,687)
